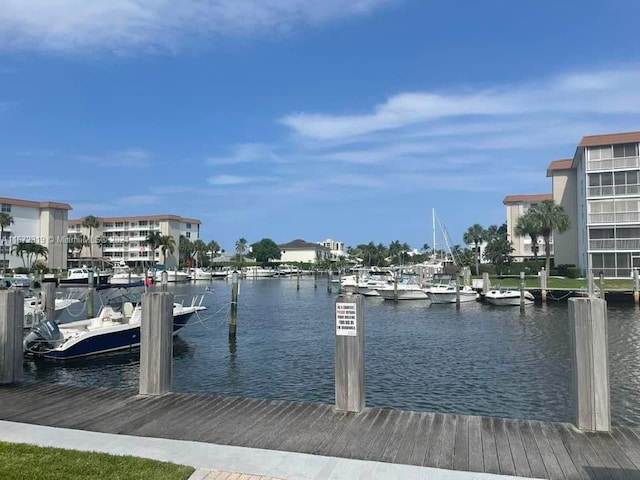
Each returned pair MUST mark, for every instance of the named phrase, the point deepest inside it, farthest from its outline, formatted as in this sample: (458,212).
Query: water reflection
(475,360)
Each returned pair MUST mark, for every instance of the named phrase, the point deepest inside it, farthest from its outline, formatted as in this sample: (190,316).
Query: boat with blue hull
(117,327)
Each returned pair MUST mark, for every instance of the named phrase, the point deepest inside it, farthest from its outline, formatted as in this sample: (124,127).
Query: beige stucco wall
(565,194)
(53,233)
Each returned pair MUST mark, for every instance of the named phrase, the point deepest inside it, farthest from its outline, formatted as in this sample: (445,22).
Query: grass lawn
(564,283)
(20,461)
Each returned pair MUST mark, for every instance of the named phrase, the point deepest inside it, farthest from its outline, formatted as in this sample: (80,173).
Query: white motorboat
(34,310)
(122,275)
(374,281)
(407,289)
(80,276)
(508,297)
(117,327)
(200,274)
(173,276)
(447,293)
(259,272)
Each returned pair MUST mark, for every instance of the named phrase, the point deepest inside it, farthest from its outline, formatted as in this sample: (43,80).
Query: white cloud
(71,25)
(245,153)
(133,200)
(132,158)
(239,180)
(603,92)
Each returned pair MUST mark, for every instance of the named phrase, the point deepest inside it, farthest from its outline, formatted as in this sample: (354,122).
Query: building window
(143,223)
(188,234)
(188,225)
(5,249)
(108,225)
(119,224)
(625,150)
(6,208)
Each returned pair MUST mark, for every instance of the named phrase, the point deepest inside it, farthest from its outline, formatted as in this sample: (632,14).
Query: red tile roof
(562,164)
(609,139)
(534,197)
(30,203)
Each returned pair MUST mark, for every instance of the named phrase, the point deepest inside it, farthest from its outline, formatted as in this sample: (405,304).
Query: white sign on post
(346,319)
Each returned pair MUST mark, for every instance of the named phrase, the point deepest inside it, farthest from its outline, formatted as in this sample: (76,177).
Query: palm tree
(200,251)
(5,221)
(20,249)
(241,246)
(167,244)
(552,218)
(475,234)
(38,250)
(529,225)
(213,248)
(103,242)
(90,222)
(153,241)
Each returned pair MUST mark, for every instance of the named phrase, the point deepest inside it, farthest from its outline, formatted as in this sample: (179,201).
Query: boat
(173,276)
(117,327)
(508,297)
(200,274)
(259,272)
(447,293)
(34,310)
(122,275)
(407,289)
(80,276)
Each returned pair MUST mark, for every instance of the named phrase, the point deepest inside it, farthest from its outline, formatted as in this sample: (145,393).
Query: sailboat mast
(433,230)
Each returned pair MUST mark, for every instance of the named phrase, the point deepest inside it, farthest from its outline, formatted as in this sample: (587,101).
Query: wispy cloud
(245,153)
(239,180)
(133,200)
(131,158)
(72,25)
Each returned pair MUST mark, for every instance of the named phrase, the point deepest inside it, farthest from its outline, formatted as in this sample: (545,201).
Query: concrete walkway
(228,462)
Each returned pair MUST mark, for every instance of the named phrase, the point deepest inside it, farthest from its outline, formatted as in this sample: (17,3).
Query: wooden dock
(457,442)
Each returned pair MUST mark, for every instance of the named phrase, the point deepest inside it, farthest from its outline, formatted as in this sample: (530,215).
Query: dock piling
(590,373)
(11,324)
(164,281)
(233,320)
(349,348)
(458,280)
(601,285)
(486,284)
(590,284)
(90,289)
(156,343)
(315,278)
(395,288)
(522,283)
(329,281)
(298,279)
(49,302)
(543,285)
(636,294)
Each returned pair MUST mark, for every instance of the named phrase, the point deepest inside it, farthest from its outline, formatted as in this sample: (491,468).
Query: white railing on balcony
(626,217)
(610,190)
(614,244)
(613,164)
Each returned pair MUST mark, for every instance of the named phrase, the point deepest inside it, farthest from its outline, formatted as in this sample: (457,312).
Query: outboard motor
(43,337)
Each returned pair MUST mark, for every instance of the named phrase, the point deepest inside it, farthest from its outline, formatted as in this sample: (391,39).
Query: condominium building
(44,223)
(336,248)
(126,238)
(518,205)
(600,190)
(302,251)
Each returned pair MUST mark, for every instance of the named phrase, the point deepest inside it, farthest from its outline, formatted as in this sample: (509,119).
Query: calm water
(478,360)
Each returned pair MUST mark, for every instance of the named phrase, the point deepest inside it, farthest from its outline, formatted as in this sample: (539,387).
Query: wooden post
(543,285)
(486,284)
(233,320)
(90,290)
(589,347)
(329,281)
(156,343)
(49,302)
(339,280)
(395,288)
(636,293)
(601,285)
(458,279)
(466,272)
(522,291)
(164,281)
(11,325)
(298,280)
(349,348)
(590,284)
(315,277)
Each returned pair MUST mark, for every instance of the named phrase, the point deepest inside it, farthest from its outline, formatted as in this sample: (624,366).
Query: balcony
(614,218)
(611,191)
(621,163)
(614,244)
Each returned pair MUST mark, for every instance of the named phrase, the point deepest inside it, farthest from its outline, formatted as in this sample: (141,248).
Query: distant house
(302,251)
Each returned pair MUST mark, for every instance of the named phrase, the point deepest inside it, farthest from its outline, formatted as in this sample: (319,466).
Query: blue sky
(304,119)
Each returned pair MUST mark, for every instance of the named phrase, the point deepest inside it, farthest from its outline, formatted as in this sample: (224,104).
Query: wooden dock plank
(545,432)
(489,450)
(395,439)
(533,453)
(494,445)
(476,462)
(518,454)
(445,459)
(461,446)
(505,458)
